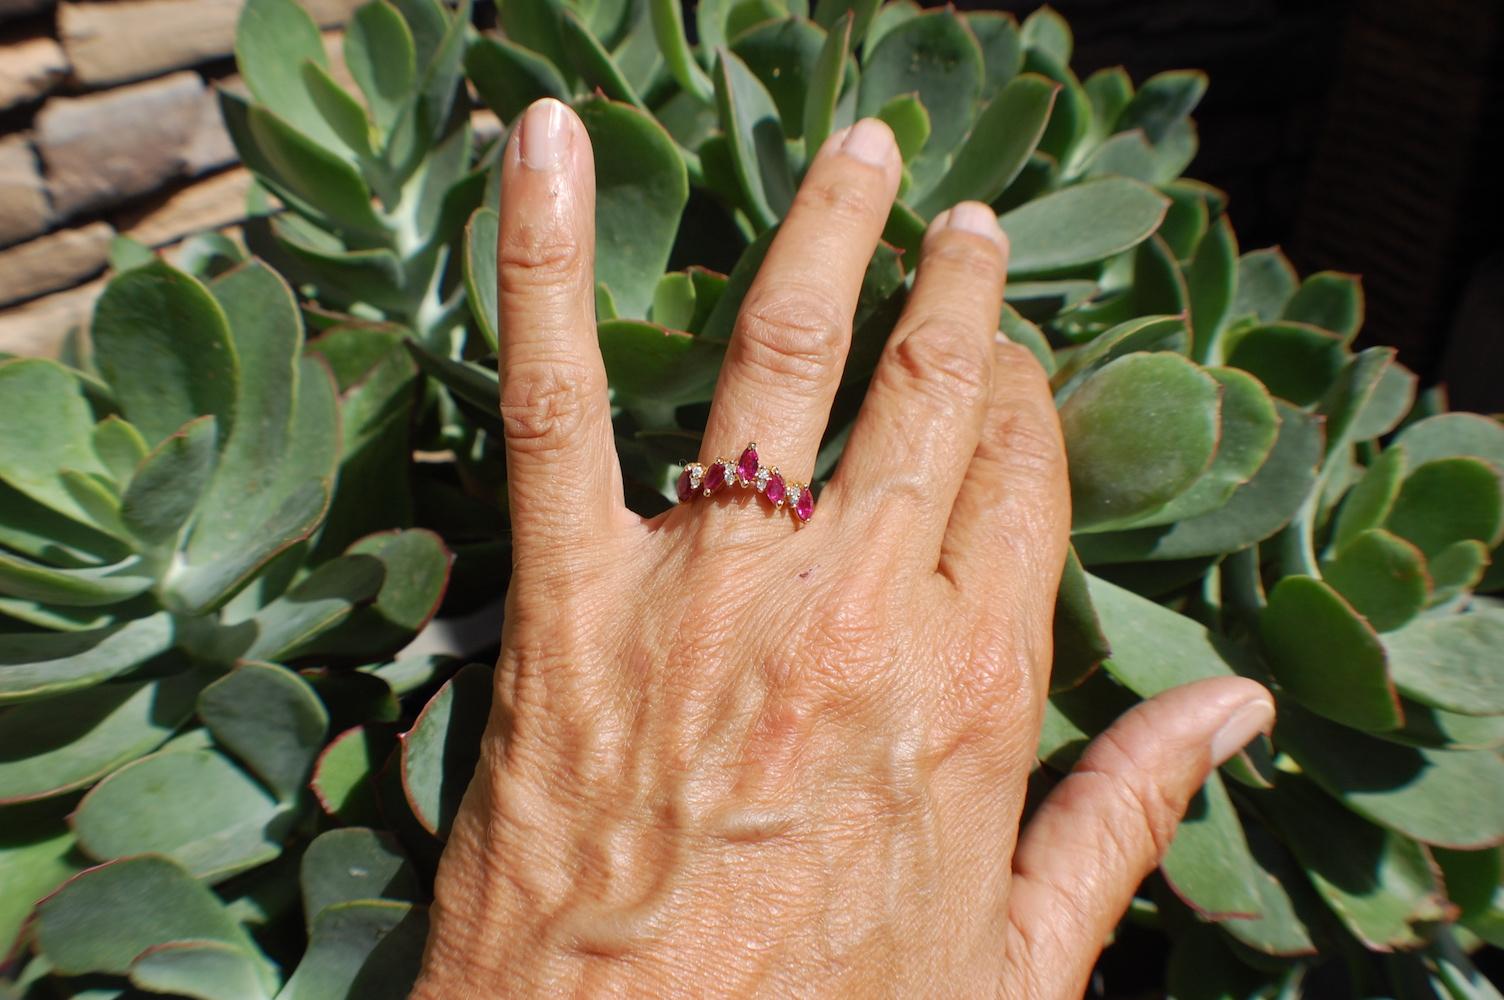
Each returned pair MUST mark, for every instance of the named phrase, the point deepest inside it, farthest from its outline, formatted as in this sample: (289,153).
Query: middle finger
(784,362)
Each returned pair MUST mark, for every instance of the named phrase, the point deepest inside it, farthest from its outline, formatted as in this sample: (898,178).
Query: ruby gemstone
(746,466)
(715,477)
(774,492)
(683,487)
(804,507)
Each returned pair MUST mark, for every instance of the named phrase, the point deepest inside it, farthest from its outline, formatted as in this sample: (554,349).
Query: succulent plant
(1252,494)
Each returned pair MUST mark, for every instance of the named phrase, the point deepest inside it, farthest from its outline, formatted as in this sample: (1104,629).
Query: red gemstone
(804,507)
(746,466)
(683,488)
(774,492)
(715,477)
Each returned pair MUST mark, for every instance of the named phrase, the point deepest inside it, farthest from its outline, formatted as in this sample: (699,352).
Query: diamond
(746,466)
(774,490)
(761,482)
(696,475)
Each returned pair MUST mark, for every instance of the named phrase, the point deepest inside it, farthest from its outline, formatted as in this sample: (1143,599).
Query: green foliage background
(226,770)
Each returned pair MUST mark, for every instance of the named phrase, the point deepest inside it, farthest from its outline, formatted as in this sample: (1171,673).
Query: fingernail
(545,134)
(1002,338)
(1237,732)
(974,217)
(870,141)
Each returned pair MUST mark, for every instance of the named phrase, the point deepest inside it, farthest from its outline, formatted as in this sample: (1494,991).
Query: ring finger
(784,361)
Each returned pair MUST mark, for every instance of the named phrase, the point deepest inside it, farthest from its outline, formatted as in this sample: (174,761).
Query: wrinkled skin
(732,757)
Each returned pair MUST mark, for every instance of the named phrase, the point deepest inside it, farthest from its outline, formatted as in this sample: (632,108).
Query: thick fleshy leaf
(1370,499)
(1080,646)
(1081,225)
(1070,121)
(315,604)
(440,751)
(1208,864)
(783,54)
(936,56)
(1249,426)
(204,970)
(104,919)
(273,38)
(26,580)
(35,848)
(509,77)
(593,63)
(1137,433)
(754,134)
(1162,101)
(1330,300)
(70,741)
(344,776)
(1449,500)
(1429,795)
(1266,282)
(1453,435)
(828,14)
(164,345)
(889,17)
(1287,904)
(314,174)
(1047,32)
(1210,280)
(648,363)
(1434,728)
(1002,48)
(120,447)
(369,948)
(232,825)
(1295,361)
(668,29)
(1000,143)
(1452,661)
(481,235)
(342,866)
(1458,567)
(339,108)
(1143,333)
(1154,648)
(1382,576)
(440,45)
(382,60)
(910,123)
(1258,509)
(640,191)
(1323,652)
(1391,400)
(1379,884)
(416,571)
(43,664)
(825,82)
(270,718)
(168,483)
(45,428)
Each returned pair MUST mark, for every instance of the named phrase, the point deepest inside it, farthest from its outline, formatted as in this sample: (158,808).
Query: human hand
(732,757)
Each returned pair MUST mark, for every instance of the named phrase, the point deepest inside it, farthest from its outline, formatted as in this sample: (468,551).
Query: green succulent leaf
(910,124)
(1326,655)
(120,447)
(1391,400)
(936,56)
(73,588)
(271,719)
(668,28)
(1081,225)
(1047,32)
(828,14)
(1209,865)
(784,54)
(1428,795)
(481,235)
(1138,432)
(107,917)
(1266,282)
(1452,662)
(1001,142)
(1162,101)
(311,173)
(826,77)
(754,134)
(440,751)
(1108,91)
(233,825)
(35,849)
(1296,361)
(1367,505)
(1457,568)
(648,363)
(1382,576)
(509,77)
(273,40)
(1002,49)
(71,740)
(537,25)
(343,113)
(314,605)
(415,572)
(1079,643)
(1453,435)
(1329,300)
(1449,500)
(343,866)
(366,948)
(44,664)
(380,54)
(169,481)
(1154,648)
(344,775)
(641,190)
(206,970)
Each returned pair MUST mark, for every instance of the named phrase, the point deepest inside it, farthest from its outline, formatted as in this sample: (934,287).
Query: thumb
(1105,827)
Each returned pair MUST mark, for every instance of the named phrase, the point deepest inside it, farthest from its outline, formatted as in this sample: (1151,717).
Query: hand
(729,756)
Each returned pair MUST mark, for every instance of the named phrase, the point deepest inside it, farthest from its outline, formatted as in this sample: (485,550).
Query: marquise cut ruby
(746,466)
(684,487)
(804,507)
(775,491)
(715,477)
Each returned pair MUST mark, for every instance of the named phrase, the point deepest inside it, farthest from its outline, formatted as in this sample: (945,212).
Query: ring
(701,481)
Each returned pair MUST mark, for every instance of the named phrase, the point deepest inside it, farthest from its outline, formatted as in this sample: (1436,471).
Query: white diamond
(696,474)
(762,478)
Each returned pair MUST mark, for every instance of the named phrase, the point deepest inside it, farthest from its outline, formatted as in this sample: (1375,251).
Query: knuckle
(974,259)
(536,256)
(950,366)
(1029,444)
(791,336)
(543,403)
(842,201)
(1150,810)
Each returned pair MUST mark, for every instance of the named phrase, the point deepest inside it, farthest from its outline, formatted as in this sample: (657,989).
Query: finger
(785,357)
(563,480)
(1012,515)
(922,417)
(1105,827)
